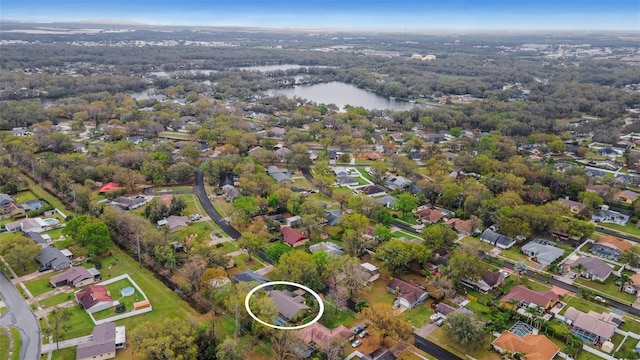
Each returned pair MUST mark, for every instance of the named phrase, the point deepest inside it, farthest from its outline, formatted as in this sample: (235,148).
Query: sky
(407,15)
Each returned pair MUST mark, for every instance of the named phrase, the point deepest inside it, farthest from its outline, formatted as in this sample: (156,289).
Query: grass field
(56,299)
(4,343)
(419,315)
(332,317)
(41,284)
(79,323)
(609,288)
(629,228)
(17,343)
(64,354)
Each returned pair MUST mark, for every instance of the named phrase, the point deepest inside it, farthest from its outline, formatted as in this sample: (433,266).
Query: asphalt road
(208,207)
(433,349)
(19,315)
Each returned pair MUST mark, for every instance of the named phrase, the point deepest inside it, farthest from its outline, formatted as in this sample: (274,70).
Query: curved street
(210,210)
(19,315)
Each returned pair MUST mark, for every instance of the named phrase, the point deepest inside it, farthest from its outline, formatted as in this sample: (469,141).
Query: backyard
(128,301)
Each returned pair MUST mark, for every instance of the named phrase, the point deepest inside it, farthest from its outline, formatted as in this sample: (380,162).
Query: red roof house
(95,298)
(110,186)
(293,237)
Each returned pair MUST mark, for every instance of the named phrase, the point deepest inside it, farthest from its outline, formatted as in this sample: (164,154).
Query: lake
(342,94)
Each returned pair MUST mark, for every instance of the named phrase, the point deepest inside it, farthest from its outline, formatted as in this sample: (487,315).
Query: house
(592,327)
(371,190)
(407,295)
(594,268)
(174,223)
(105,339)
(293,237)
(610,152)
(33,225)
(626,196)
(231,194)
(634,287)
(327,247)
(13,226)
(444,309)
(531,346)
(346,180)
(127,203)
(428,216)
(372,270)
(523,296)
(463,227)
(53,258)
(279,175)
(596,188)
(20,131)
(333,216)
(6,199)
(609,247)
(75,276)
(293,221)
(290,306)
(373,156)
(33,204)
(574,206)
(488,280)
(249,276)
(95,298)
(545,252)
(498,240)
(395,182)
(282,152)
(39,239)
(11,210)
(110,186)
(606,215)
(319,335)
(276,132)
(397,137)
(339,171)
(388,201)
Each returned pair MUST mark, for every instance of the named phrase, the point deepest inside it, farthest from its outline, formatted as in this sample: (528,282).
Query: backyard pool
(128,291)
(51,221)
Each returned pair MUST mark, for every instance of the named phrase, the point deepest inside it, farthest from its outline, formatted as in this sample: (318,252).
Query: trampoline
(128,291)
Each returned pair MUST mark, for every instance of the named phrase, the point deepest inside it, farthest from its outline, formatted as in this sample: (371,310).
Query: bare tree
(193,270)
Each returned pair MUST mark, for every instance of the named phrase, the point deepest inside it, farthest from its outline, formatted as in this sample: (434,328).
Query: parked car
(359,328)
(434,317)
(44,268)
(356,343)
(601,299)
(363,334)
(195,217)
(572,276)
(440,322)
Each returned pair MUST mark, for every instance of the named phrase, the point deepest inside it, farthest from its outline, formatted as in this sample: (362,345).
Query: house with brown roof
(95,298)
(463,227)
(594,268)
(75,276)
(626,196)
(105,339)
(371,190)
(524,297)
(320,335)
(429,216)
(293,237)
(592,327)
(408,295)
(487,282)
(609,247)
(110,186)
(574,206)
(291,306)
(533,347)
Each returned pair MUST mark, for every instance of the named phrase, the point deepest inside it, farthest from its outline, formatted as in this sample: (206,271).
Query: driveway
(20,316)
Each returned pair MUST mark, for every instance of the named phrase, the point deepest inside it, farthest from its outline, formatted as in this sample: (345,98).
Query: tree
(230,349)
(95,237)
(464,329)
(579,268)
(361,305)
(284,344)
(193,270)
(381,234)
(19,251)
(58,318)
(406,203)
(128,178)
(252,242)
(298,267)
(176,206)
(166,340)
(382,216)
(631,256)
(520,267)
(384,322)
(465,266)
(180,172)
(437,236)
(399,255)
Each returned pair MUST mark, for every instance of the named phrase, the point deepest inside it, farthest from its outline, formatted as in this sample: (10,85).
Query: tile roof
(535,347)
(93,294)
(619,244)
(292,236)
(540,298)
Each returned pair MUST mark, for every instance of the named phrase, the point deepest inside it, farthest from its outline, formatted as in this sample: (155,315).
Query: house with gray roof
(290,306)
(54,258)
(498,240)
(394,182)
(279,175)
(105,339)
(346,180)
(249,276)
(39,239)
(327,247)
(333,216)
(388,201)
(606,215)
(5,199)
(595,268)
(544,251)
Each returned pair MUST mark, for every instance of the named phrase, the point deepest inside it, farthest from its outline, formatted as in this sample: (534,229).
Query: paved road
(433,349)
(210,210)
(19,315)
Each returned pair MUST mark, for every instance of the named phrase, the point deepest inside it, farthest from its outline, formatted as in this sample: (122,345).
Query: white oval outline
(315,295)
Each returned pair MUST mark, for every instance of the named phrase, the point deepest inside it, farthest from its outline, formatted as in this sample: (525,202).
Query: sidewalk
(47,348)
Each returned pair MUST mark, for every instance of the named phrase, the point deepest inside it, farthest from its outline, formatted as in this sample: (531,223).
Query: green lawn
(42,194)
(577,302)
(481,311)
(481,351)
(56,299)
(3,309)
(80,324)
(64,354)
(514,254)
(190,200)
(4,344)
(609,288)
(162,189)
(419,315)
(629,228)
(41,284)
(17,343)
(332,317)
(23,196)
(585,355)
(627,350)
(114,290)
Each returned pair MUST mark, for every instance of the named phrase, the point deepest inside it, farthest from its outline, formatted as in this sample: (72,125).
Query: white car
(356,343)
